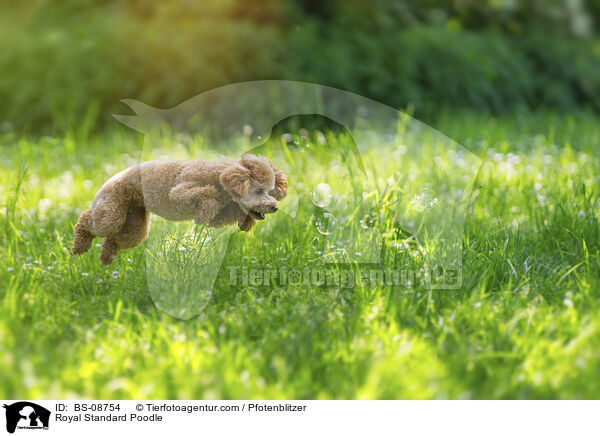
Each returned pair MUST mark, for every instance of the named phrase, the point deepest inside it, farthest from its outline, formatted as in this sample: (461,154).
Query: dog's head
(254,184)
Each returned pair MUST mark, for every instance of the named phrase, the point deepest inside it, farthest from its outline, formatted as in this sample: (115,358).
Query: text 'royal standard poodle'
(215,193)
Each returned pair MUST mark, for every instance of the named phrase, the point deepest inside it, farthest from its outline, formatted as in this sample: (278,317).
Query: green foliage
(67,61)
(430,67)
(66,58)
(525,324)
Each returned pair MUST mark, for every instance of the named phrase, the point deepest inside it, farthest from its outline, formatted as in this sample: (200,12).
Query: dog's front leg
(208,209)
(246,223)
(203,198)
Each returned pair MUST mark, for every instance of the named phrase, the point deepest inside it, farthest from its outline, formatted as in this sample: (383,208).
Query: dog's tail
(83,237)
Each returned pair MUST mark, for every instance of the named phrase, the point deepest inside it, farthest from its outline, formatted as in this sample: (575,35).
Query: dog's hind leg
(135,230)
(109,250)
(83,238)
(132,233)
(108,216)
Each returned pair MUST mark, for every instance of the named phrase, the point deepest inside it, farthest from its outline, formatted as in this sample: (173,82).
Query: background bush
(65,61)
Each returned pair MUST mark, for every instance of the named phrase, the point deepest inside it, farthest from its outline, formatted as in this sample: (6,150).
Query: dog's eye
(259,191)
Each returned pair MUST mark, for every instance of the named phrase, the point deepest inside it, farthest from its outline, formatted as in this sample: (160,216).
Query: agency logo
(26,415)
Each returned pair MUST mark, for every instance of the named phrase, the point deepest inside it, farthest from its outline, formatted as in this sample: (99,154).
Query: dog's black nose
(273,208)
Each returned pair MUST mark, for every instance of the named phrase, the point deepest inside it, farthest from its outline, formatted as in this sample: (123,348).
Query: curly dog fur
(215,193)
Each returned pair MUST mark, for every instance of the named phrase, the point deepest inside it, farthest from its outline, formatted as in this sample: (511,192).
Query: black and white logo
(26,415)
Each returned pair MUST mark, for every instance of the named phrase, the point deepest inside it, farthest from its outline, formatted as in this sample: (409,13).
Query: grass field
(524,324)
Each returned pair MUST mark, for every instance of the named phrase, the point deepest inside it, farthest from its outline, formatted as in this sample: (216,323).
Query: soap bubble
(368,221)
(424,200)
(325,223)
(321,196)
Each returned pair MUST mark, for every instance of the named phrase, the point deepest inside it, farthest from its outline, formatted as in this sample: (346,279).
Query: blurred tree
(64,59)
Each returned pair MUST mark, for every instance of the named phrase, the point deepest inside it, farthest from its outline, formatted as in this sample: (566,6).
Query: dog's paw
(78,250)
(247,224)
(208,209)
(206,197)
(109,250)
(210,191)
(106,259)
(80,246)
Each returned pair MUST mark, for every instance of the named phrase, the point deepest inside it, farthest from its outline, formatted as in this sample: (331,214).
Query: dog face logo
(26,415)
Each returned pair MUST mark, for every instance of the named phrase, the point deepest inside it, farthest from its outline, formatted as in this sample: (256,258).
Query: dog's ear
(236,181)
(281,184)
(259,166)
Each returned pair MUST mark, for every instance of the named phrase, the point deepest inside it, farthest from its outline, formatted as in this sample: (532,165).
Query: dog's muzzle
(261,215)
(257,215)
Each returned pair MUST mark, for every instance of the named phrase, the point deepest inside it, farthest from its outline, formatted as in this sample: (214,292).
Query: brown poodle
(216,193)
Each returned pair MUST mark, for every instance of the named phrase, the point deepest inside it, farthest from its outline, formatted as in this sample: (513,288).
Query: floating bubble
(424,200)
(321,196)
(368,221)
(325,224)
(304,142)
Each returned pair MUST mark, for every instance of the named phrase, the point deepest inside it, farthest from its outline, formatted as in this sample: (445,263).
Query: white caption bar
(75,417)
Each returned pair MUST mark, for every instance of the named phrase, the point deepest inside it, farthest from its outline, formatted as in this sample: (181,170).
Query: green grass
(524,324)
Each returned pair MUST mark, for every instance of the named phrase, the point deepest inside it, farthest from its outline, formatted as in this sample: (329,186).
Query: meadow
(524,323)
